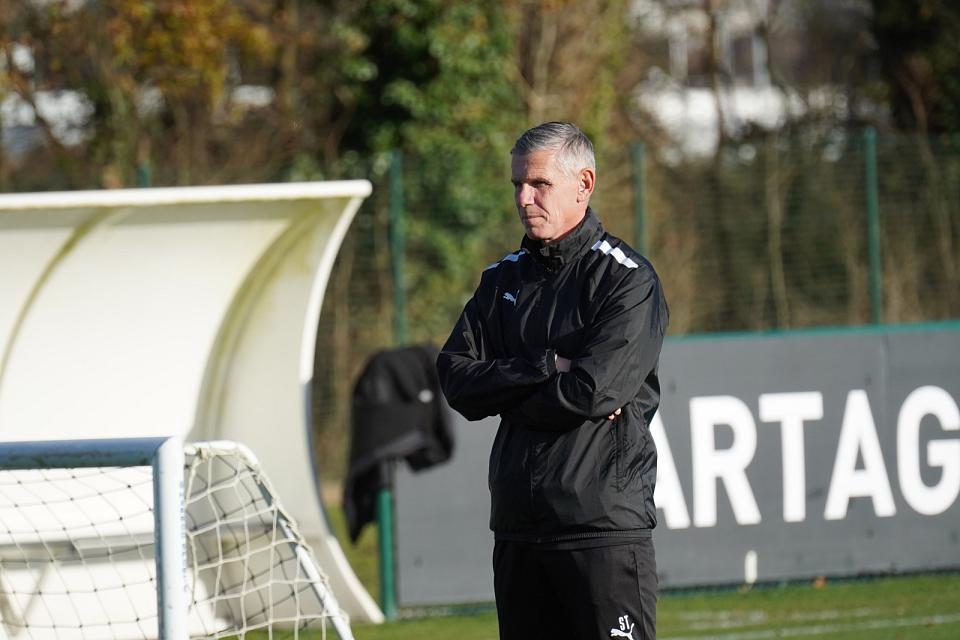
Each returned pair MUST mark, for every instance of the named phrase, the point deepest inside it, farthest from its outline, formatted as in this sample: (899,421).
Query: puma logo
(509,297)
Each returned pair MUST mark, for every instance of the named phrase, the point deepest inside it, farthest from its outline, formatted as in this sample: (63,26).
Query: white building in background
(678,89)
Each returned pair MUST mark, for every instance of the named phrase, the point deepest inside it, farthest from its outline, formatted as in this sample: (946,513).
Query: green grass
(473,627)
(923,607)
(363,556)
(902,608)
(926,607)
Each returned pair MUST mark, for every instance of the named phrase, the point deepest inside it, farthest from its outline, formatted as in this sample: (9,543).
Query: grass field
(900,608)
(921,607)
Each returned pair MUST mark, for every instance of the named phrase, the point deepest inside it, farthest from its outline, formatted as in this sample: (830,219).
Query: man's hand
(614,414)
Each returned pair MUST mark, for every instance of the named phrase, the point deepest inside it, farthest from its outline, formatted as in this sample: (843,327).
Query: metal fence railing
(790,232)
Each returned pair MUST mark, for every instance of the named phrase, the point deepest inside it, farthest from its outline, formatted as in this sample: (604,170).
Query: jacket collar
(574,245)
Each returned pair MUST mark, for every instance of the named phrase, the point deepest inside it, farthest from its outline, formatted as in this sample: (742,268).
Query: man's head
(553,174)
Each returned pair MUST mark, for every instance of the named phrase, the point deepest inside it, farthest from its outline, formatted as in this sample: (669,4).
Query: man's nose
(524,195)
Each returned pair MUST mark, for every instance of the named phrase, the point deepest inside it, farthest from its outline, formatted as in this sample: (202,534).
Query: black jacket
(397,413)
(560,471)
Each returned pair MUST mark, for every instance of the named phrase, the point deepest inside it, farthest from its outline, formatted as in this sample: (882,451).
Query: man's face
(549,201)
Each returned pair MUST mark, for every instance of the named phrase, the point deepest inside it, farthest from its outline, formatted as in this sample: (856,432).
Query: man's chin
(535,234)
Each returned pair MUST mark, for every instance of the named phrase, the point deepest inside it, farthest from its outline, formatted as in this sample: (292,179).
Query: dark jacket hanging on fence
(398,412)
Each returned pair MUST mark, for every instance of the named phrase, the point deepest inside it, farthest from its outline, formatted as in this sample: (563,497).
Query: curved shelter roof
(176,311)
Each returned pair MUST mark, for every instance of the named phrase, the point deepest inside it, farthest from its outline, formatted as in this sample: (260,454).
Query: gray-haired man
(562,340)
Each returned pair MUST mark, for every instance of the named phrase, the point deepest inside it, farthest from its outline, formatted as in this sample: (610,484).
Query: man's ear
(586,182)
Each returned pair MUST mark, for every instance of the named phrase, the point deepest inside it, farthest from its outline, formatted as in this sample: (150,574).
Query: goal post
(165,457)
(147,537)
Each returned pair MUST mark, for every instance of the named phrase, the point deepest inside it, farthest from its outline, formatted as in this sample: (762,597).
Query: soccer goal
(148,538)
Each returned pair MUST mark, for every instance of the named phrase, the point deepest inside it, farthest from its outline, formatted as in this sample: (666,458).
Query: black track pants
(582,594)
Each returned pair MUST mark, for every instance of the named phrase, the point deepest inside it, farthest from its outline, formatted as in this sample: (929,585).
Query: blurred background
(783,163)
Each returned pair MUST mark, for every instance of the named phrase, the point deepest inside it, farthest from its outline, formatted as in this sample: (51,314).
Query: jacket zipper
(619,450)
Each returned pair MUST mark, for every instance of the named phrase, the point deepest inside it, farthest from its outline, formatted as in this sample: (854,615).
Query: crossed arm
(563,366)
(555,392)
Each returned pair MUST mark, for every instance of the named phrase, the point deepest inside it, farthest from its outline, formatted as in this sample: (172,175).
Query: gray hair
(575,148)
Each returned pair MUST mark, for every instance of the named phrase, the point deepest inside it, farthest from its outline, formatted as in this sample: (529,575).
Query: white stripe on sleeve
(616,253)
(512,257)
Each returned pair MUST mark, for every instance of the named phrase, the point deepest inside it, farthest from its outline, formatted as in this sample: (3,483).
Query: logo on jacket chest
(511,297)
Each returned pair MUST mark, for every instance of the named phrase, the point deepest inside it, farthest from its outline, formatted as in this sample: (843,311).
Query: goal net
(81,547)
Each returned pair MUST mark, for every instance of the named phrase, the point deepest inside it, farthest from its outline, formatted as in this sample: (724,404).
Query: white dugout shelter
(189,312)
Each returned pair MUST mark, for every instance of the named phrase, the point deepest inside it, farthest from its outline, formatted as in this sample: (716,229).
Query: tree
(156,78)
(918,44)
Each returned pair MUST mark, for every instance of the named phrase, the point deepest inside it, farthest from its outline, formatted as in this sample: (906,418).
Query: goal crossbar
(227,558)
(165,455)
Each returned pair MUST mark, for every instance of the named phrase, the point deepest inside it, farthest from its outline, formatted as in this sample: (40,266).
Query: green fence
(777,233)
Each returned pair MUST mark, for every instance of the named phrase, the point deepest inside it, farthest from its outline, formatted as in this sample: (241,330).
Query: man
(562,340)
